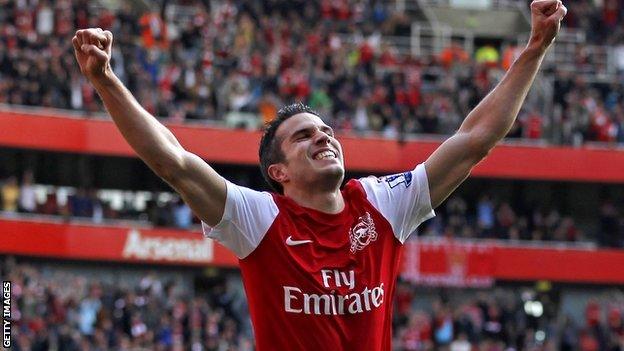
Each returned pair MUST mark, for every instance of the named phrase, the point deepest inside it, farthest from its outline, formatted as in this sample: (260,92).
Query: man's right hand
(92,48)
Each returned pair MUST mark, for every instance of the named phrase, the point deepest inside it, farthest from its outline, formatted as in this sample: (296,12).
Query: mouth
(325,155)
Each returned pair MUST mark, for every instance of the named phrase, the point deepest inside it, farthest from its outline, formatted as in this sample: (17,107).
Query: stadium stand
(59,310)
(487,217)
(238,61)
(520,258)
(501,319)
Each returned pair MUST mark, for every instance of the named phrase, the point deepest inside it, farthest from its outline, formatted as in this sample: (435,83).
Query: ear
(278,173)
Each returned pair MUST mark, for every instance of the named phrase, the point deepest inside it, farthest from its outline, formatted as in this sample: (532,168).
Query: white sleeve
(403,199)
(246,219)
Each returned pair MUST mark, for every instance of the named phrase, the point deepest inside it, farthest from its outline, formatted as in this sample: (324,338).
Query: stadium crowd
(64,311)
(488,218)
(495,219)
(199,61)
(56,310)
(85,204)
(497,320)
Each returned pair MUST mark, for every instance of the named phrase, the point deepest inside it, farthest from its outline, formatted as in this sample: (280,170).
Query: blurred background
(526,255)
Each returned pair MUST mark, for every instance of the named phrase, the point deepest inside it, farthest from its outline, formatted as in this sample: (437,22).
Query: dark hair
(270,148)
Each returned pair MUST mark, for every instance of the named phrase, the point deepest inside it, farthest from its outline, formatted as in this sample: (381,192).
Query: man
(319,263)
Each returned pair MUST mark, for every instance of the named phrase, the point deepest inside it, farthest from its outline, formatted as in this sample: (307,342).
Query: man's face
(312,155)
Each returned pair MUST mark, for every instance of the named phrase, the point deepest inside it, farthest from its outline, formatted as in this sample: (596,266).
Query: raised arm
(198,184)
(490,121)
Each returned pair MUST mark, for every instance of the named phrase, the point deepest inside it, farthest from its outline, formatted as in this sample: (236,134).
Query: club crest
(363,233)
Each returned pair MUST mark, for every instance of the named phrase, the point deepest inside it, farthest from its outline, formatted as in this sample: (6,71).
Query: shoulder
(247,217)
(393,183)
(402,198)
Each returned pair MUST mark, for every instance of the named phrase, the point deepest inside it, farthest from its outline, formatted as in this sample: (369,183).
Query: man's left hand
(546,16)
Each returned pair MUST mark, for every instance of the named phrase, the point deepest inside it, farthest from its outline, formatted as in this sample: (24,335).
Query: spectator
(50,206)
(417,335)
(453,54)
(618,54)
(182,215)
(608,231)
(510,54)
(505,218)
(461,343)
(532,124)
(487,55)
(89,308)
(485,216)
(27,196)
(10,194)
(80,204)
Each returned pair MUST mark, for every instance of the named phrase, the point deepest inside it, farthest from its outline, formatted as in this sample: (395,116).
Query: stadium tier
(459,255)
(99,253)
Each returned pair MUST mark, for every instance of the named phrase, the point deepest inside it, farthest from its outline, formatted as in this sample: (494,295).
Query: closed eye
(307,133)
(327,130)
(302,136)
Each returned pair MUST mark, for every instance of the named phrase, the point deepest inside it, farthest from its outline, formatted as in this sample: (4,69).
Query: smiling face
(312,156)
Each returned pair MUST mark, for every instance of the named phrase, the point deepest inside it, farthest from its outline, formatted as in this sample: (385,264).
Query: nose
(321,138)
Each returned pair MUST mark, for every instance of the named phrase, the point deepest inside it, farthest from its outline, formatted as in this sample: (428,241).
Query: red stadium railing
(437,262)
(132,244)
(478,263)
(97,136)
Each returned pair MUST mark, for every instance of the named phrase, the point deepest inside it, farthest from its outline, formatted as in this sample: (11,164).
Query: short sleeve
(247,217)
(403,199)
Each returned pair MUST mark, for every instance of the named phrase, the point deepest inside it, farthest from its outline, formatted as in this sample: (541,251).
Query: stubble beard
(330,180)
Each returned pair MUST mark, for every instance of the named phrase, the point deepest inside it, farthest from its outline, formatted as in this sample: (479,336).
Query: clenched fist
(92,48)
(546,16)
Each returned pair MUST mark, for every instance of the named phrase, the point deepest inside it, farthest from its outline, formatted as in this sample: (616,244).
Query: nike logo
(291,242)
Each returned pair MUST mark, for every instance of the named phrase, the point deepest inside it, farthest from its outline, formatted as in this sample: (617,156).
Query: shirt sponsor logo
(291,242)
(397,179)
(353,302)
(363,233)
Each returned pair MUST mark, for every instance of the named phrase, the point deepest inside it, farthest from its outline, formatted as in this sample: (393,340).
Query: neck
(325,201)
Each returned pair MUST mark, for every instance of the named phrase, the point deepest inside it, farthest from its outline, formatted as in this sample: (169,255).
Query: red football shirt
(318,281)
